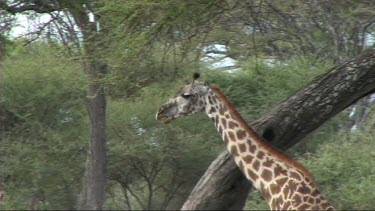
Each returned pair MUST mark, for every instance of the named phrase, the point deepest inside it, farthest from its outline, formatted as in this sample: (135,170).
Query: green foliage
(152,41)
(37,79)
(260,85)
(345,173)
(41,159)
(256,202)
(126,80)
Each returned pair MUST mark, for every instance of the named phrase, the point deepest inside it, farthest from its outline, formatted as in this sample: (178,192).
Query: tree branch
(35,5)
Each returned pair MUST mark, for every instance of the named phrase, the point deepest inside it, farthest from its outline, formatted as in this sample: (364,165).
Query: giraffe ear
(196,75)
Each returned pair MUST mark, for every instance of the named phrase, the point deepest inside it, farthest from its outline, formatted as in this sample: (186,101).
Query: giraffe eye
(186,95)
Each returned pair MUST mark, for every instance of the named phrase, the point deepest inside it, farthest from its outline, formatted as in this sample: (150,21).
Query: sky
(218,60)
(25,25)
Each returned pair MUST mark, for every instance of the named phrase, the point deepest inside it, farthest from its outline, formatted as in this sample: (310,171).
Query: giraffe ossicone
(284,183)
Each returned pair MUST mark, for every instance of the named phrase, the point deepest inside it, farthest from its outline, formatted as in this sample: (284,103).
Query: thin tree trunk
(127,200)
(223,187)
(93,192)
(95,177)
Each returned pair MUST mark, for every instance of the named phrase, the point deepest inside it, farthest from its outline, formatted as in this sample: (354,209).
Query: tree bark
(95,176)
(93,191)
(223,187)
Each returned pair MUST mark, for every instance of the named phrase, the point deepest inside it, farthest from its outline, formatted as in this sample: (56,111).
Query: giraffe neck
(277,177)
(241,143)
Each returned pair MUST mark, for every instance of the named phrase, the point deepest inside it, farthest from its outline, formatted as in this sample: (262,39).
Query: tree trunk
(95,176)
(223,187)
(93,192)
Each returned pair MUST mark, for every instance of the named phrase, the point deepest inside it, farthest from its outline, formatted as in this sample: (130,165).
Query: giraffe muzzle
(162,117)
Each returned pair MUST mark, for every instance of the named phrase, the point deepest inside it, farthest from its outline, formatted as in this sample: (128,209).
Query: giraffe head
(189,100)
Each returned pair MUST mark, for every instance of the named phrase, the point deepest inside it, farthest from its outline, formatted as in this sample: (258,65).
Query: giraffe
(284,183)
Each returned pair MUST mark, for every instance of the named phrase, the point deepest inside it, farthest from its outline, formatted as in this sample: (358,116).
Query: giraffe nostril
(158,114)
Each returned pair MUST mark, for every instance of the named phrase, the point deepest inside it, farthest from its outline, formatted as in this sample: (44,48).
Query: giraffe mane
(269,148)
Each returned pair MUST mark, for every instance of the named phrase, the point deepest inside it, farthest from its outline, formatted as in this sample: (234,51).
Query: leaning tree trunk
(223,187)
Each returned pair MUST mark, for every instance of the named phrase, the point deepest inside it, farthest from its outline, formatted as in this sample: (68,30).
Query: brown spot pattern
(252,175)
(305,198)
(252,148)
(286,192)
(241,134)
(224,122)
(210,100)
(303,207)
(225,108)
(256,165)
(293,188)
(303,189)
(306,178)
(266,194)
(282,181)
(225,138)
(266,175)
(278,202)
(248,159)
(311,200)
(221,110)
(292,185)
(242,147)
(232,125)
(231,136)
(260,155)
(279,171)
(315,193)
(295,176)
(268,162)
(325,205)
(275,189)
(297,199)
(233,150)
(286,205)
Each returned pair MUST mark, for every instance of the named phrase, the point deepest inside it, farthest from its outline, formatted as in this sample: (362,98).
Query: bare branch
(35,5)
